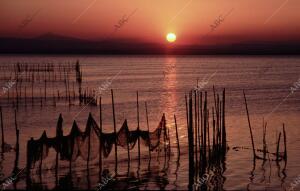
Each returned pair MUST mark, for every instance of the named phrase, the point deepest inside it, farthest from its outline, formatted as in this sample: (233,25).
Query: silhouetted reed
(278,155)
(209,148)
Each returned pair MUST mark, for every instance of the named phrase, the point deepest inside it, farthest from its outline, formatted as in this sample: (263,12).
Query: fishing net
(87,144)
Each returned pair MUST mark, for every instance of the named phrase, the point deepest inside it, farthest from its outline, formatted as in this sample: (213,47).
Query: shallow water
(162,82)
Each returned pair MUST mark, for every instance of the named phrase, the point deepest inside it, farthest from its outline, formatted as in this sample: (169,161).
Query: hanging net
(89,143)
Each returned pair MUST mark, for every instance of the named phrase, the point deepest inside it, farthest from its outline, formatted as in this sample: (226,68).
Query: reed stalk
(249,123)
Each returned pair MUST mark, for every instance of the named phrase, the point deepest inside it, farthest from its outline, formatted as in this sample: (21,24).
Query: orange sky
(190,20)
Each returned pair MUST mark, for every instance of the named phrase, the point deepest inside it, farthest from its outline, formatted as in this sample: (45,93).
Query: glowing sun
(171,37)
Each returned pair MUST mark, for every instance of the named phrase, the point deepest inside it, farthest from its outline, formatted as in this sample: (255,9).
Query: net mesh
(86,144)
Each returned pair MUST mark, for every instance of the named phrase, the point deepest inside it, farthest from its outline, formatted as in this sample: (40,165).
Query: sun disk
(171,37)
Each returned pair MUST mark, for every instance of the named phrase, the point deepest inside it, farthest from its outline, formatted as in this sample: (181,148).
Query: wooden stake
(191,143)
(32,90)
(201,127)
(223,123)
(17,140)
(284,138)
(89,144)
(138,125)
(208,136)
(253,147)
(218,121)
(177,138)
(100,137)
(128,151)
(115,130)
(198,123)
(205,126)
(59,135)
(264,139)
(169,144)
(2,131)
(148,128)
(186,110)
(196,120)
(214,126)
(278,143)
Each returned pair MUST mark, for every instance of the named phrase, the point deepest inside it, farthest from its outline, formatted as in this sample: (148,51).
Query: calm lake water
(162,82)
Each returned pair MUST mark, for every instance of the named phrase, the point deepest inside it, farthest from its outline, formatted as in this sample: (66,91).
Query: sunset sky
(190,20)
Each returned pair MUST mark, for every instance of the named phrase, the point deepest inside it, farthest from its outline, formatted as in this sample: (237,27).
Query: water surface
(162,82)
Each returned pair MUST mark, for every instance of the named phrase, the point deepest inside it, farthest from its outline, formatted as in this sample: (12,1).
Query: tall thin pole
(186,110)
(196,120)
(138,125)
(208,136)
(284,138)
(191,143)
(277,150)
(100,137)
(127,140)
(59,135)
(2,131)
(148,128)
(217,109)
(115,130)
(17,141)
(177,138)
(214,124)
(205,126)
(201,126)
(253,147)
(16,125)
(223,122)
(89,144)
(220,119)
(198,124)
(32,89)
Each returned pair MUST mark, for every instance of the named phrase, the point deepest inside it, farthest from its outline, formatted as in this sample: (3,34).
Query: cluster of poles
(166,134)
(33,82)
(5,147)
(164,145)
(26,72)
(207,143)
(278,155)
(205,146)
(165,142)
